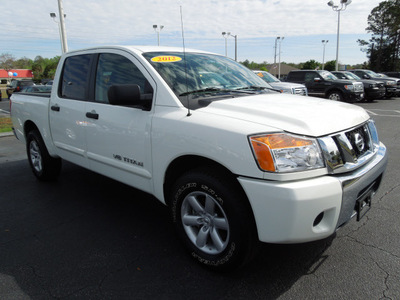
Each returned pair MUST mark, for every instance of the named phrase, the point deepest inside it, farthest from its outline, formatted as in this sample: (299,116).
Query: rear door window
(75,77)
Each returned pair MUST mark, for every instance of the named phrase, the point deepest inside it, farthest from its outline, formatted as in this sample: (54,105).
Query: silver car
(284,87)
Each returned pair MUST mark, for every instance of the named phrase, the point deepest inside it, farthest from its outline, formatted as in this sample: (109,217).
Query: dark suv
(324,84)
(17,86)
(392,84)
(392,74)
(373,89)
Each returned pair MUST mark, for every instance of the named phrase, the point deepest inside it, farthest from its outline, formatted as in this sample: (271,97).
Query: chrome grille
(359,140)
(358,87)
(300,91)
(348,150)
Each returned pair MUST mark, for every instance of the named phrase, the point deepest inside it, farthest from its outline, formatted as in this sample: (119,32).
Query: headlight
(281,152)
(373,86)
(286,91)
(349,87)
(390,82)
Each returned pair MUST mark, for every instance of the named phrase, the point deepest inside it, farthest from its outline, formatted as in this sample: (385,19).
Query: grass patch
(5,124)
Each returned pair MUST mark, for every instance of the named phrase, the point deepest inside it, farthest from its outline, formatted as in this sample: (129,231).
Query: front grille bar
(349,149)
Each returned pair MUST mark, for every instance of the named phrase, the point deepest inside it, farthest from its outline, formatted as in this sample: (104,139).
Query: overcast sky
(28,30)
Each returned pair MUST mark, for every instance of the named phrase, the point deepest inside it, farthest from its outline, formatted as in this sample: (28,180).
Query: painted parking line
(4,111)
(384,113)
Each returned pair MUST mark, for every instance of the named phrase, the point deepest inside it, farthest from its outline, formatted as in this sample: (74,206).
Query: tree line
(42,68)
(383,48)
(308,65)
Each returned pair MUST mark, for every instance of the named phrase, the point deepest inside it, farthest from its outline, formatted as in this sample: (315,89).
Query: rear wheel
(213,220)
(44,167)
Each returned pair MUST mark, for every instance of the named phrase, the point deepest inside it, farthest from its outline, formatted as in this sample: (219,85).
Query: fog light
(318,219)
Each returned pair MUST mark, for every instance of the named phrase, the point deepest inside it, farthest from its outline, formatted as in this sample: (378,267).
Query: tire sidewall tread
(242,238)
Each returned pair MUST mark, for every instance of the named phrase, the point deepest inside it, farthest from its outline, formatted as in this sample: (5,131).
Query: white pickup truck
(236,162)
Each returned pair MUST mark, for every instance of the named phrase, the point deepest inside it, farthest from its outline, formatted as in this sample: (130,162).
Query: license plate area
(363,206)
(364,200)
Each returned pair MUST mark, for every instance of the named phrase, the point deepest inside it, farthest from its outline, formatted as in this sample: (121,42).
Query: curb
(3,134)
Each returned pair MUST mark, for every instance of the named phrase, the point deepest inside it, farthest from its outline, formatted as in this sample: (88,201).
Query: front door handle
(92,115)
(55,107)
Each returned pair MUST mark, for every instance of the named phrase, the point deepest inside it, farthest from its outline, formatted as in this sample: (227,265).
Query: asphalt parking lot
(89,237)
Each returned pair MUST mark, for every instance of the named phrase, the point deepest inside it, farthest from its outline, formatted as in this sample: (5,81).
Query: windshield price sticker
(166,58)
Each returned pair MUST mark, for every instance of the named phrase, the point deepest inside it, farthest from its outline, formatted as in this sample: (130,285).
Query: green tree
(23,63)
(311,65)
(330,65)
(383,47)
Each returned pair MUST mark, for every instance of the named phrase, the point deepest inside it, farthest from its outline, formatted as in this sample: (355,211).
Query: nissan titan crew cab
(235,161)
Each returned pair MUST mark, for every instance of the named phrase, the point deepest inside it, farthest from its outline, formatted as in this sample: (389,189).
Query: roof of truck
(142,49)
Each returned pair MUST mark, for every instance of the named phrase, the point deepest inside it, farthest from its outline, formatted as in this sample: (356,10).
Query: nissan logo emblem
(359,142)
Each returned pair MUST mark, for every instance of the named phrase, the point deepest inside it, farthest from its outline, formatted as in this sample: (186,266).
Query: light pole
(226,35)
(61,27)
(279,68)
(158,30)
(276,46)
(53,16)
(324,42)
(343,6)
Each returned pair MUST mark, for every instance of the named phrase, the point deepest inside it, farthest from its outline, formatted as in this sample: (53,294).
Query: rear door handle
(55,107)
(92,115)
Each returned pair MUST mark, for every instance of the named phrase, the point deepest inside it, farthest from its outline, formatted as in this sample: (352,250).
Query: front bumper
(372,94)
(390,91)
(354,96)
(310,209)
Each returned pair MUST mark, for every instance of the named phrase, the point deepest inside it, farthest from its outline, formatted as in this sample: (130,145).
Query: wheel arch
(186,163)
(29,126)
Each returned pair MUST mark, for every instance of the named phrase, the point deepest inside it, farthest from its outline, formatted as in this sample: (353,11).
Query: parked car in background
(392,74)
(17,86)
(392,84)
(284,87)
(373,89)
(324,84)
(37,89)
(50,82)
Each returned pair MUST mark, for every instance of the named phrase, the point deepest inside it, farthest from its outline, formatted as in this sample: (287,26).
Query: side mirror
(366,76)
(317,79)
(127,95)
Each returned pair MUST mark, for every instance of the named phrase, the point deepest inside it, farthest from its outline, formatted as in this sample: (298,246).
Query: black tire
(335,96)
(44,167)
(213,219)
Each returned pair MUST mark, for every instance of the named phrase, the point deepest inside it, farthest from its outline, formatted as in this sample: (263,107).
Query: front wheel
(335,96)
(213,219)
(44,167)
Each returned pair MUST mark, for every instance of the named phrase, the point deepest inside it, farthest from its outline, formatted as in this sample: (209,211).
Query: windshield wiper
(258,88)
(205,90)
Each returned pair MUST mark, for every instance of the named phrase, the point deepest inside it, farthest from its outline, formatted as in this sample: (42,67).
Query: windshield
(352,76)
(327,75)
(266,76)
(194,76)
(371,73)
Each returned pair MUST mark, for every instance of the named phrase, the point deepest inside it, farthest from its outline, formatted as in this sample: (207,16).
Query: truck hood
(301,115)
